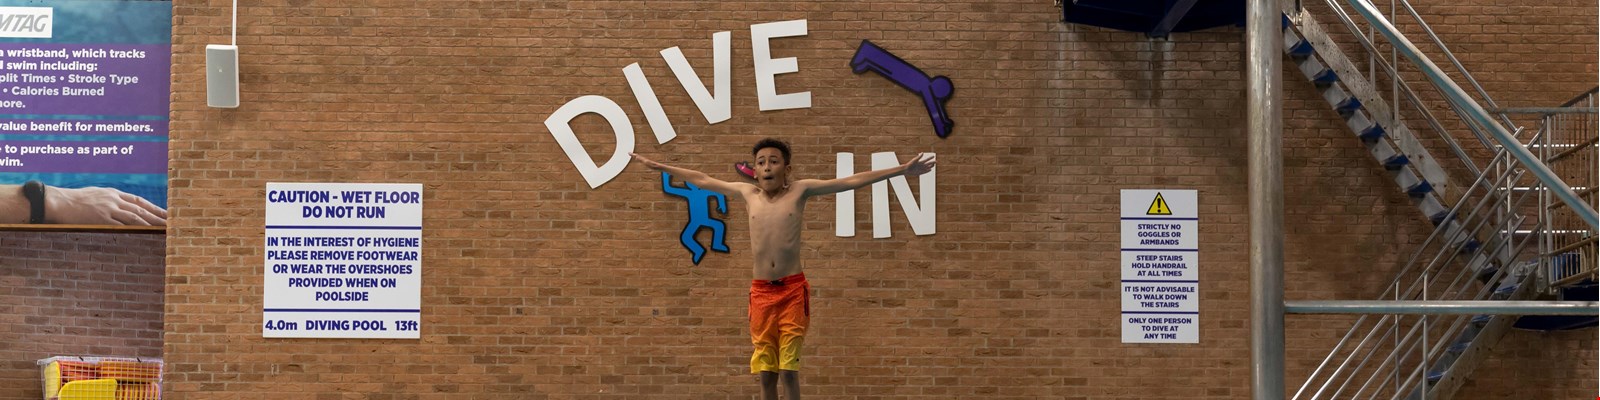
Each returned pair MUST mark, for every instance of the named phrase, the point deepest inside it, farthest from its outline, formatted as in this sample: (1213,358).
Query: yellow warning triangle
(1159,207)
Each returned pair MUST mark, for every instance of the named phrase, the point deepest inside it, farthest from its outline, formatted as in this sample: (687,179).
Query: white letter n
(919,213)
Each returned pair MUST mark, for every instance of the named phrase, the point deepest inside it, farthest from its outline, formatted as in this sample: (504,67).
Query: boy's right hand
(647,162)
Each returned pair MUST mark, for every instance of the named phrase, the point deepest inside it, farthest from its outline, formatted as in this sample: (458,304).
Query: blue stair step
(1349,105)
(1317,72)
(1301,48)
(1294,45)
(1462,343)
(1504,291)
(1481,319)
(1458,235)
(1506,288)
(1419,189)
(1394,163)
(1325,77)
(1455,232)
(1341,100)
(1439,218)
(1382,151)
(1374,132)
(1487,273)
(1414,186)
(1364,128)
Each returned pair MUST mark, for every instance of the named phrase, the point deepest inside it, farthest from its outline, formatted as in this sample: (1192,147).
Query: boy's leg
(769,385)
(792,332)
(791,384)
(764,337)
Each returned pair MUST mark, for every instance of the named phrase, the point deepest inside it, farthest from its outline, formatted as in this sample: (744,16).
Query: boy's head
(772,163)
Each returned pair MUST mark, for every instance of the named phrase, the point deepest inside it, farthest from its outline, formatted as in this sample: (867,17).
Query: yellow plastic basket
(101,378)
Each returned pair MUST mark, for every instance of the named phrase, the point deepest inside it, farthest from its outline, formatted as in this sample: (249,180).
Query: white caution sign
(1160,266)
(343,260)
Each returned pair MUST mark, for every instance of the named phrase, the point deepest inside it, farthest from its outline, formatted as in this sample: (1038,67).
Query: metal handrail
(1411,291)
(1454,61)
(1394,288)
(1462,221)
(1457,325)
(1410,94)
(1407,341)
(1403,348)
(1498,245)
(1455,95)
(1429,357)
(1460,284)
(1399,348)
(1462,109)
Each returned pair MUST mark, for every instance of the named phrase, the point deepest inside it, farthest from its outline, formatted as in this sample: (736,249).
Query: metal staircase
(1515,231)
(1483,230)
(1391,143)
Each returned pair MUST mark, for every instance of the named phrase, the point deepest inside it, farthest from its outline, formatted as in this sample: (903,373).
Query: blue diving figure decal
(699,216)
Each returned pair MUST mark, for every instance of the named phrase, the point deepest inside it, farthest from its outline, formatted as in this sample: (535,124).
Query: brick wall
(75,294)
(538,286)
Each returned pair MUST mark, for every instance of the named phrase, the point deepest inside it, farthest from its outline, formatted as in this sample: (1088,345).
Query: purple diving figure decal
(934,91)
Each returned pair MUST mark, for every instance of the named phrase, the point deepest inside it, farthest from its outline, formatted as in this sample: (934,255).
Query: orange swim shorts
(780,311)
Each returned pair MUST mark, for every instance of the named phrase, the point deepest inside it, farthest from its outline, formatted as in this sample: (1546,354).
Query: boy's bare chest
(782,211)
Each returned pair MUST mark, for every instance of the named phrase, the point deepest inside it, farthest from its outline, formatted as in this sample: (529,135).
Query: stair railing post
(1264,109)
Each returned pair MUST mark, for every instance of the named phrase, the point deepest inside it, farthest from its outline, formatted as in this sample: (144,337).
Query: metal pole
(1444,307)
(1264,112)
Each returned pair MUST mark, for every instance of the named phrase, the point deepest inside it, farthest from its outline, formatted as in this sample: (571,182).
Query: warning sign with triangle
(1158,207)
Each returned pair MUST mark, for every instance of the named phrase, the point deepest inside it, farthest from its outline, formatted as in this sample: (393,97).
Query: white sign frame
(1160,244)
(342,260)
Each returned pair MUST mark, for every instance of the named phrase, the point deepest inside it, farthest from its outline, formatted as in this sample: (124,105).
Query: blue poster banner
(84,105)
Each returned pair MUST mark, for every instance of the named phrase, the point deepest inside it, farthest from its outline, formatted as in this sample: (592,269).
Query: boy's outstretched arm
(695,177)
(917,166)
(666,185)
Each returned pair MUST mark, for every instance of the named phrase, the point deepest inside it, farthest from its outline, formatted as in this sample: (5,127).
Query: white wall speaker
(222,76)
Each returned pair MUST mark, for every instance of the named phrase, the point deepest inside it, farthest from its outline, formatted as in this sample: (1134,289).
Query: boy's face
(771,172)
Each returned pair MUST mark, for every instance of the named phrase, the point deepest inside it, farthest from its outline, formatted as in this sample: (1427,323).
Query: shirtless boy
(780,303)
